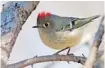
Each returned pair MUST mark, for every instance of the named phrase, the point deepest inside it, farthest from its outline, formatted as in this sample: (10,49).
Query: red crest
(42,15)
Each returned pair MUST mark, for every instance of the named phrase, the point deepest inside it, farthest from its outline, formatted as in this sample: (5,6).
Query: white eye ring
(46,24)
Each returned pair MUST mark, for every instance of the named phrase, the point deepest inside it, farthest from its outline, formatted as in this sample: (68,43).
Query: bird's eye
(46,24)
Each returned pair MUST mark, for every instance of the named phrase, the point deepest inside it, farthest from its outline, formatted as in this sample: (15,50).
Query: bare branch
(97,40)
(47,58)
(13,16)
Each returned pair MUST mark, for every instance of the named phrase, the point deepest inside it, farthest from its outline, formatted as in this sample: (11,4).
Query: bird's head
(44,21)
(48,22)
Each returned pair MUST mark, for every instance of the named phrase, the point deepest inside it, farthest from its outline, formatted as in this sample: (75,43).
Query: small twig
(97,40)
(47,58)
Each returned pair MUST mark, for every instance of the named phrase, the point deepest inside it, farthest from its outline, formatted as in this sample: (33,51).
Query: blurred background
(29,44)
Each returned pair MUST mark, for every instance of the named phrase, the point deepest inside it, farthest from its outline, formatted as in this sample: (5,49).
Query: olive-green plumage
(60,32)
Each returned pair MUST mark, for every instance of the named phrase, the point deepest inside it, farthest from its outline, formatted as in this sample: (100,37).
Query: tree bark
(13,16)
(36,59)
(92,58)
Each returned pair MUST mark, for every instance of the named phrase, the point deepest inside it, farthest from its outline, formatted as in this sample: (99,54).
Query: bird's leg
(68,54)
(57,53)
(63,50)
(68,51)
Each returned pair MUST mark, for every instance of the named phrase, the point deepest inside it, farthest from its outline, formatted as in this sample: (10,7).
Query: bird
(60,32)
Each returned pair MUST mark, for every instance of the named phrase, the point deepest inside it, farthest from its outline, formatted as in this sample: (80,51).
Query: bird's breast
(60,40)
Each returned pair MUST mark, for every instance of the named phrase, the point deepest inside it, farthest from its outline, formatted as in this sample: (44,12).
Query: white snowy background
(29,44)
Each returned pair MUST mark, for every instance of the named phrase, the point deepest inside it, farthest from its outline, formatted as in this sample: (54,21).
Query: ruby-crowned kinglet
(60,32)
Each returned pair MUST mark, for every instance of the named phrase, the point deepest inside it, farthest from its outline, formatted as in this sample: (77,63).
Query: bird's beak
(82,21)
(37,27)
